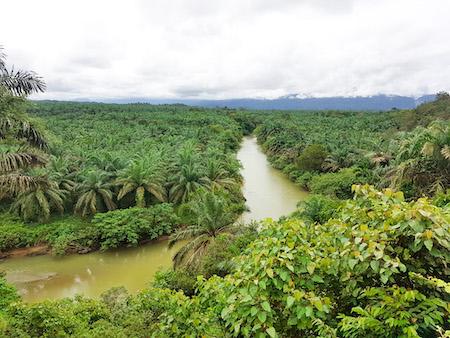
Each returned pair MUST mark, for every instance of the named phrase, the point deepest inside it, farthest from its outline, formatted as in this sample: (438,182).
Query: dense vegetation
(352,261)
(378,268)
(327,152)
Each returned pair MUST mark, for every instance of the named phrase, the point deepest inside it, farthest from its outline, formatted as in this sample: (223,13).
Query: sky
(217,49)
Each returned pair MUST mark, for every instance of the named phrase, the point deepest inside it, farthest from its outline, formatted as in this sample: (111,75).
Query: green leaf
(253,311)
(375,265)
(269,272)
(429,244)
(271,331)
(262,316)
(311,267)
(352,262)
(266,306)
(290,300)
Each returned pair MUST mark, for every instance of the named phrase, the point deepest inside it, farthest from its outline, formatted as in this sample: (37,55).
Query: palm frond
(21,82)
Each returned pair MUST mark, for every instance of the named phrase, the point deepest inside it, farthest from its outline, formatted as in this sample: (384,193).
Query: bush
(8,294)
(72,235)
(304,180)
(334,184)
(178,280)
(317,208)
(311,159)
(379,268)
(129,227)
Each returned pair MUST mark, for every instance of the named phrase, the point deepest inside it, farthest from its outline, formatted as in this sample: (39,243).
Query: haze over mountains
(293,101)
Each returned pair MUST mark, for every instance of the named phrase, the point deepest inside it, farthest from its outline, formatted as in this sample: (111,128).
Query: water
(268,192)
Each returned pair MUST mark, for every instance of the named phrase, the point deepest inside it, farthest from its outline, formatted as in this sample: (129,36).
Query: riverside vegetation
(365,256)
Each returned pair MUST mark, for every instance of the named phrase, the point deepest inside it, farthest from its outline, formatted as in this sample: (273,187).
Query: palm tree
(142,175)
(424,158)
(213,217)
(15,124)
(217,176)
(94,194)
(19,82)
(37,202)
(186,181)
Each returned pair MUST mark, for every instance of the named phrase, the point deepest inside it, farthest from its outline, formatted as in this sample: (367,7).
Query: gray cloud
(233,48)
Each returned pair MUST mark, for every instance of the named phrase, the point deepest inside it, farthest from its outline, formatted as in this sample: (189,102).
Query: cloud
(234,48)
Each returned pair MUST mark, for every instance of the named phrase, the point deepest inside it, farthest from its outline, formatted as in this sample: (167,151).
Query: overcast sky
(229,48)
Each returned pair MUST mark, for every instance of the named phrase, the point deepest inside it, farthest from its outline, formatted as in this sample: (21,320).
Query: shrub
(178,280)
(8,294)
(128,227)
(304,180)
(317,208)
(334,184)
(312,157)
(377,269)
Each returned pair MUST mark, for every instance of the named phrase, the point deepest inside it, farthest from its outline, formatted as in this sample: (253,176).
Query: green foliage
(8,295)
(317,208)
(129,227)
(212,215)
(297,278)
(334,184)
(178,280)
(312,158)
(378,268)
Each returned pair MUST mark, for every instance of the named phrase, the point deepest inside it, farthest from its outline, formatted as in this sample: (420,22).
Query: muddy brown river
(269,194)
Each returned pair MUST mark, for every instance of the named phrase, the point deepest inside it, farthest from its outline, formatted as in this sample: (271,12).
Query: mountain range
(294,102)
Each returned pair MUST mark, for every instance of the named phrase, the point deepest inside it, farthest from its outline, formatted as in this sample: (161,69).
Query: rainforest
(247,223)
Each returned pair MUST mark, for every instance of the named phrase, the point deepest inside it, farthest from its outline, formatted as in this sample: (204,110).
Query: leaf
(266,306)
(269,272)
(429,244)
(375,265)
(289,301)
(271,331)
(352,262)
(262,316)
(311,267)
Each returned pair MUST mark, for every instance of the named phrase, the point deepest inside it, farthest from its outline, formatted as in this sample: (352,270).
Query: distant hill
(292,102)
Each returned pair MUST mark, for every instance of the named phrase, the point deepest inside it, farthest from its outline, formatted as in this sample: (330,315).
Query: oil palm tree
(143,175)
(15,125)
(38,202)
(19,82)
(424,158)
(212,217)
(217,176)
(187,180)
(94,193)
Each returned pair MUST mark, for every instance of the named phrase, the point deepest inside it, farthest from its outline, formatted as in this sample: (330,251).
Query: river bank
(268,193)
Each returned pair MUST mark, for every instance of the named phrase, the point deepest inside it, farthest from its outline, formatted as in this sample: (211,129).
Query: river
(267,191)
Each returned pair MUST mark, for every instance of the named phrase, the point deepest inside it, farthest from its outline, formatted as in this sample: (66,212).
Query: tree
(24,142)
(312,158)
(188,179)
(142,175)
(94,193)
(212,217)
(442,96)
(217,176)
(37,202)
(423,159)
(19,82)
